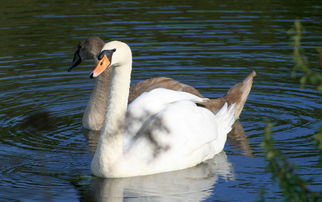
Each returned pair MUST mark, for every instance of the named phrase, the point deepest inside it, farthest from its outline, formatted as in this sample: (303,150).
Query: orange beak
(100,67)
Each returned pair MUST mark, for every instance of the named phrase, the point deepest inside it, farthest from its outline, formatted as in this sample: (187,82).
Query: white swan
(161,130)
(94,114)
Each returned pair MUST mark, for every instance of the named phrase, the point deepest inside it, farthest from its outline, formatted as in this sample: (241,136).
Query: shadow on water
(40,121)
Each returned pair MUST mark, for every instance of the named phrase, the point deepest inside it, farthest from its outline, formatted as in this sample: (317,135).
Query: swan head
(114,54)
(88,48)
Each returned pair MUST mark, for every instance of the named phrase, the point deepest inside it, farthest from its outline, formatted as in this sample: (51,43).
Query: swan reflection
(237,138)
(194,184)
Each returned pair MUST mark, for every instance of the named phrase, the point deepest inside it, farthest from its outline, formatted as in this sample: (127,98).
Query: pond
(45,153)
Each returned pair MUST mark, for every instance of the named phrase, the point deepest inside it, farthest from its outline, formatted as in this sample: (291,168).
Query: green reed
(301,65)
(293,187)
(318,141)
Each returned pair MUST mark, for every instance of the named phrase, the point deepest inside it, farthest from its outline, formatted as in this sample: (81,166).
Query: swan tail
(236,95)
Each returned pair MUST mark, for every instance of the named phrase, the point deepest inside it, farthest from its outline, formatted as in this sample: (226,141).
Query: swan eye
(108,54)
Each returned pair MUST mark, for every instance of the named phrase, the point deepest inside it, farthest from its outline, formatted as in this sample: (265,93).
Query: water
(44,152)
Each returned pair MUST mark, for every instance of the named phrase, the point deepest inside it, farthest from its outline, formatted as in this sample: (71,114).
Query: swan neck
(117,100)
(110,144)
(95,111)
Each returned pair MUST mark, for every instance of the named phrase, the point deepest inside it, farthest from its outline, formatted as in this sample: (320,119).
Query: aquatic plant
(293,187)
(301,64)
(310,76)
(318,141)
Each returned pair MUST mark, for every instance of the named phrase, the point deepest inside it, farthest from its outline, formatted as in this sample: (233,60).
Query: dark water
(44,152)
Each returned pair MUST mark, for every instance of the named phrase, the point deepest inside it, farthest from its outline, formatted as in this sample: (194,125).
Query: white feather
(162,130)
(179,135)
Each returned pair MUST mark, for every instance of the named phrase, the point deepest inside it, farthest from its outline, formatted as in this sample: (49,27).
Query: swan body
(180,135)
(161,130)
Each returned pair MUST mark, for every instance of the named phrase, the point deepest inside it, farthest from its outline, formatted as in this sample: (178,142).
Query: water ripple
(43,148)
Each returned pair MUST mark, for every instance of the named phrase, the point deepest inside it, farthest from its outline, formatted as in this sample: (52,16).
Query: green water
(45,153)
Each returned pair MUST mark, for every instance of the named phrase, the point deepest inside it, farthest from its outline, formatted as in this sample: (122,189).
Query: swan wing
(160,82)
(152,102)
(176,133)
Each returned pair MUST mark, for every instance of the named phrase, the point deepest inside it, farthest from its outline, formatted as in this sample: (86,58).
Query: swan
(161,130)
(95,111)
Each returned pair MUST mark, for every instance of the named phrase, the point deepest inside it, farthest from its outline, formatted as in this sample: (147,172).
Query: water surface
(44,152)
